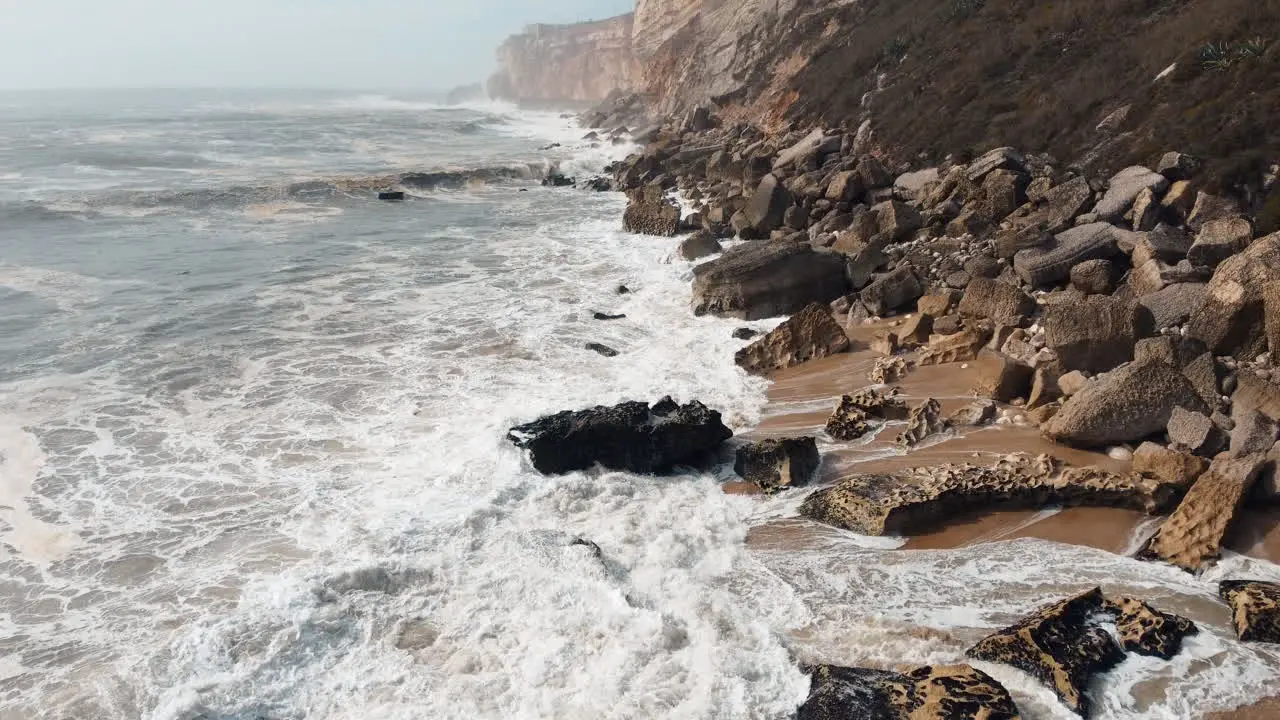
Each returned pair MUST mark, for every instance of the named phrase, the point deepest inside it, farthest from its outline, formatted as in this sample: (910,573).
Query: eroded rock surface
(778,463)
(1124,405)
(1255,609)
(811,334)
(1192,537)
(1148,631)
(953,692)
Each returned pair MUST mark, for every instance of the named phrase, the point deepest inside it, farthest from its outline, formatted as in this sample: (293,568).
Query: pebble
(1122,454)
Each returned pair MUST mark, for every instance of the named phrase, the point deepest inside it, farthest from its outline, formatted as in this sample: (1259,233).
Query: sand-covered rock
(778,463)
(911,501)
(1192,537)
(1168,464)
(1124,405)
(631,436)
(888,370)
(953,692)
(760,280)
(810,334)
(1255,609)
(1059,645)
(1147,631)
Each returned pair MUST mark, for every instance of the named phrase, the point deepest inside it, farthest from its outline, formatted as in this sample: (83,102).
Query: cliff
(578,63)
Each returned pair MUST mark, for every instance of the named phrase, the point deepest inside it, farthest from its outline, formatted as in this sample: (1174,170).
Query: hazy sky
(429,44)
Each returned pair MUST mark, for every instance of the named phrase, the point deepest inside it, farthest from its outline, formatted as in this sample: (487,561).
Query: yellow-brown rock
(1192,537)
(1255,609)
(1148,631)
(952,692)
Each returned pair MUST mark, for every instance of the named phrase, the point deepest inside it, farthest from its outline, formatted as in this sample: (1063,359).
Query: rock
(1253,394)
(699,245)
(760,280)
(767,207)
(1175,467)
(913,186)
(983,266)
(604,350)
(873,173)
(1255,609)
(897,220)
(958,280)
(1165,243)
(1202,373)
(777,464)
(1093,277)
(1060,646)
(1147,631)
(1002,192)
(1178,201)
(1146,211)
(1210,207)
(852,416)
(1001,378)
(1175,304)
(1072,383)
(1044,385)
(1177,166)
(1066,202)
(953,692)
(810,334)
(913,501)
(744,334)
(631,436)
(807,146)
(887,370)
(1196,432)
(925,420)
(607,316)
(1161,348)
(1053,262)
(1123,406)
(997,301)
(556,179)
(1271,316)
(915,330)
(1001,158)
(845,186)
(1219,240)
(975,414)
(948,325)
(1252,433)
(796,218)
(649,212)
(391,195)
(891,291)
(960,347)
(1095,334)
(885,343)
(937,304)
(1231,319)
(1124,188)
(622,290)
(1192,537)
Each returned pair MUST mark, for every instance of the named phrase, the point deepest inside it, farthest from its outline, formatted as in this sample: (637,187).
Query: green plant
(1216,56)
(1253,48)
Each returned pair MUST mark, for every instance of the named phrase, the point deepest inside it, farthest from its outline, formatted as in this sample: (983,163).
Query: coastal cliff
(578,63)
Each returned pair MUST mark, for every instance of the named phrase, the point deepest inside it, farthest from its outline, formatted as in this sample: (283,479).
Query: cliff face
(576,63)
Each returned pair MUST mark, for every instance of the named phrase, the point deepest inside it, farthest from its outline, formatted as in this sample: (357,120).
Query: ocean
(253,461)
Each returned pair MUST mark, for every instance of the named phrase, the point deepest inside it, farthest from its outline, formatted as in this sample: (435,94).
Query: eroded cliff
(578,63)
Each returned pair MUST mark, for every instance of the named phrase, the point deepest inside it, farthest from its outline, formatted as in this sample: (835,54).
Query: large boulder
(897,219)
(1052,263)
(916,500)
(1192,537)
(997,301)
(1231,319)
(1123,406)
(1171,465)
(1219,240)
(1147,631)
(810,334)
(649,212)
(778,463)
(1065,202)
(1095,334)
(1255,609)
(767,207)
(631,436)
(1125,187)
(1061,646)
(1000,377)
(1001,158)
(952,692)
(699,245)
(1175,304)
(760,280)
(891,291)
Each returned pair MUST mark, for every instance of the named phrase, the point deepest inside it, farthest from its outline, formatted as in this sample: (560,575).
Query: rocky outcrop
(558,64)
(854,416)
(1192,537)
(1124,405)
(631,436)
(914,500)
(1147,631)
(760,280)
(952,692)
(650,212)
(775,464)
(1231,319)
(1255,609)
(809,335)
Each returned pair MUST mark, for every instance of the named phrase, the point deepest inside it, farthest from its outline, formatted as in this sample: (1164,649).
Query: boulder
(983,266)
(939,303)
(975,414)
(845,186)
(1053,262)
(852,417)
(1147,631)
(1271,316)
(891,291)
(1231,319)
(1071,383)
(917,500)
(952,692)
(1165,243)
(796,218)
(885,343)
(601,349)
(1065,202)
(1146,211)
(649,212)
(1001,158)
(1253,432)
(810,334)
(778,463)
(959,347)
(1000,377)
(1219,240)
(767,207)
(1044,385)
(1095,334)
(744,334)
(631,437)
(1060,646)
(1192,537)
(913,186)
(1203,374)
(1255,609)
(806,146)
(1175,304)
(997,301)
(1196,432)
(1211,207)
(1253,394)
(699,245)
(1176,467)
(1177,166)
(760,280)
(1178,201)
(1160,348)
(1123,406)
(1124,188)
(1093,277)
(897,220)
(916,329)
(924,420)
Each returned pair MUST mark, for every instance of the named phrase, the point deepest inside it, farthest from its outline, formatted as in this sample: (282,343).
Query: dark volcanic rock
(775,464)
(1059,645)
(760,280)
(607,316)
(1255,609)
(954,692)
(631,436)
(1148,631)
(810,334)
